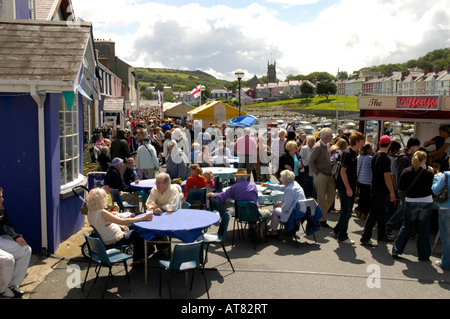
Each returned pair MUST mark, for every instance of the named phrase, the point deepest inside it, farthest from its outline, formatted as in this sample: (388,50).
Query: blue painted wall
(64,217)
(19,167)
(19,172)
(22,10)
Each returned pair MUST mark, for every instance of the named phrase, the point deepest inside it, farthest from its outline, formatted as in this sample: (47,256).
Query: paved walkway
(280,270)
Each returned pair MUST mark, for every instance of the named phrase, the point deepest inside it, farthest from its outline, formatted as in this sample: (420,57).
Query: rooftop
(41,50)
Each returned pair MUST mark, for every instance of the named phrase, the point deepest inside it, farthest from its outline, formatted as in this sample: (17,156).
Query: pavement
(275,270)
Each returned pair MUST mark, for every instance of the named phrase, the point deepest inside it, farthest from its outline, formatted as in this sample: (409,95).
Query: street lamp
(239,75)
(202,88)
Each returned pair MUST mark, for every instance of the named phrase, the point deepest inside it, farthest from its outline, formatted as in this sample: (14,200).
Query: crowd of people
(379,183)
(390,187)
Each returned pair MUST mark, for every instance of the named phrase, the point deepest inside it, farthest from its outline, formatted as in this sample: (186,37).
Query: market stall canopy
(180,109)
(242,121)
(214,112)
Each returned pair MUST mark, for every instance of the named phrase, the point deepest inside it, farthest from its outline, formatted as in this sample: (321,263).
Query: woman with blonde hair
(416,181)
(290,160)
(196,180)
(111,228)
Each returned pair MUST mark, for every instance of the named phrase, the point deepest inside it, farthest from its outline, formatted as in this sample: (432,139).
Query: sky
(302,36)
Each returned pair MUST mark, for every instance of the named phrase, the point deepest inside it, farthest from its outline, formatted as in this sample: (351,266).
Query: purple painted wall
(19,172)
(19,166)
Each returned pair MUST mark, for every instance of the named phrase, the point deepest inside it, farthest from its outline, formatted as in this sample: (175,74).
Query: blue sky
(303,36)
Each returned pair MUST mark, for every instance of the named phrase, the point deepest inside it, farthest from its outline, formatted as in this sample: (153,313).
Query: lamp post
(202,88)
(239,75)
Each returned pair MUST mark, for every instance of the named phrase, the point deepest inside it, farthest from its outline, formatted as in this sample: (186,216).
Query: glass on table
(170,209)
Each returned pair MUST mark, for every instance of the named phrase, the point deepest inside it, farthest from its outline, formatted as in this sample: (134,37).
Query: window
(2,7)
(69,143)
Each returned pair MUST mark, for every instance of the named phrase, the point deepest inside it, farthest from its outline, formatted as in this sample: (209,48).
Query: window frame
(69,139)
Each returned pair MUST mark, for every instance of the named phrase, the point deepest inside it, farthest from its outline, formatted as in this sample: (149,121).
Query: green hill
(179,80)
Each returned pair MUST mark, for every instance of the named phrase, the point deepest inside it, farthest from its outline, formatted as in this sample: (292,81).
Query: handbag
(442,196)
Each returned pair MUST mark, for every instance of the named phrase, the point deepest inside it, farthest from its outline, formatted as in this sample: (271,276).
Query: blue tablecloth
(222,172)
(184,224)
(148,184)
(266,199)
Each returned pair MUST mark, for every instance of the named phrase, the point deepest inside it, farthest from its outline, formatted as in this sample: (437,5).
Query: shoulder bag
(442,196)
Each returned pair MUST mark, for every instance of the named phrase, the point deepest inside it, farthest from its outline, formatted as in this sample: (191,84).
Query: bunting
(69,96)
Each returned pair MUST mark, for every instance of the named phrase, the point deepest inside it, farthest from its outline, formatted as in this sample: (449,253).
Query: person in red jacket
(196,180)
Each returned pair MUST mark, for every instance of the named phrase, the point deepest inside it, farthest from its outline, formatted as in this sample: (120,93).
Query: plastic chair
(247,212)
(103,257)
(219,237)
(114,195)
(218,185)
(197,197)
(185,257)
(216,206)
(126,248)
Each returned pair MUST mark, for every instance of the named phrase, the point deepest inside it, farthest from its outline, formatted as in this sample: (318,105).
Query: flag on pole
(196,91)
(160,100)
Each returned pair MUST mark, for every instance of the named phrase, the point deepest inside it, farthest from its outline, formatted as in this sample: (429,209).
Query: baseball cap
(116,161)
(385,139)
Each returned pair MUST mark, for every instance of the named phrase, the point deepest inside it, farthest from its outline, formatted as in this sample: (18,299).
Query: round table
(147,184)
(222,172)
(266,199)
(184,224)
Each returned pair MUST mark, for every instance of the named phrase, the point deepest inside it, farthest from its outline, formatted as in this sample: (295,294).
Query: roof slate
(41,50)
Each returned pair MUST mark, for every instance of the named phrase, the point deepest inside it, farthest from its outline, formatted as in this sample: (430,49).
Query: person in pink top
(246,148)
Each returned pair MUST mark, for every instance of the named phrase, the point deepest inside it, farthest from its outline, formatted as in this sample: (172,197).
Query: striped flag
(196,91)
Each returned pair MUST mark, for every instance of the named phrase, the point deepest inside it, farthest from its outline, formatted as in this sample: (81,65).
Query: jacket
(5,224)
(305,210)
(115,181)
(438,184)
(146,157)
(292,193)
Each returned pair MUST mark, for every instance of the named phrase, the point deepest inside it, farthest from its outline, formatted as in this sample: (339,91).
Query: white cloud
(292,3)
(348,35)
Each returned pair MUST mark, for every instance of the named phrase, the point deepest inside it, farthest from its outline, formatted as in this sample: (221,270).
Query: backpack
(336,170)
(442,196)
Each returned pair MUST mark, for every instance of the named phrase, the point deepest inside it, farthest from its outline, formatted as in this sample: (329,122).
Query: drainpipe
(39,98)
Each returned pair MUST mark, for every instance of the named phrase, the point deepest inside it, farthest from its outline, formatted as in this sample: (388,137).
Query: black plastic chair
(103,257)
(185,257)
(197,198)
(247,212)
(219,237)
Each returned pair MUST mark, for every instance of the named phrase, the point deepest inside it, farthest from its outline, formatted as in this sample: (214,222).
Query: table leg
(145,262)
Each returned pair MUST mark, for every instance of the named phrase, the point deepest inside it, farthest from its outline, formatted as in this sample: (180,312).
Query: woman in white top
(111,228)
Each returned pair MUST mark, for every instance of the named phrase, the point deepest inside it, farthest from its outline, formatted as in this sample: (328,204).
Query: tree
(306,89)
(147,95)
(326,88)
(342,75)
(168,96)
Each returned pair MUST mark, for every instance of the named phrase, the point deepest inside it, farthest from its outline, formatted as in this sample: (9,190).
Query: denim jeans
(341,227)
(415,214)
(398,215)
(444,231)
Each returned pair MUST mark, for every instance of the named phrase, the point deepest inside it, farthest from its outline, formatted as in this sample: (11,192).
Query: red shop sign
(417,103)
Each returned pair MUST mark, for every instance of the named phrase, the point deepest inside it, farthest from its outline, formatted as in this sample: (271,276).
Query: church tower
(272,72)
